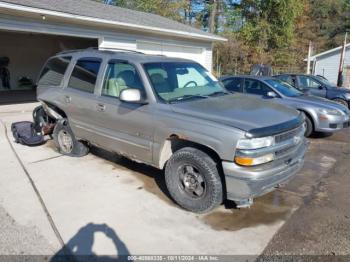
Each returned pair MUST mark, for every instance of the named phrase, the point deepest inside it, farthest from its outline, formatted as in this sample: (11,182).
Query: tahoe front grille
(288,135)
(288,142)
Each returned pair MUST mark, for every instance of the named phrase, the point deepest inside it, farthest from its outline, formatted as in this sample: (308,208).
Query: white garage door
(188,52)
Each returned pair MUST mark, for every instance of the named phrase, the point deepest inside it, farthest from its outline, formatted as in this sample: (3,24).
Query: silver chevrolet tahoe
(174,115)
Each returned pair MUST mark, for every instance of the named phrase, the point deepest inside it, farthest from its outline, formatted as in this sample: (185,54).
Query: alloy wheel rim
(65,141)
(191,181)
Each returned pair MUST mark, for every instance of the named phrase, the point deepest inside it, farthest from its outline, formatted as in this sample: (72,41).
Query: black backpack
(25,134)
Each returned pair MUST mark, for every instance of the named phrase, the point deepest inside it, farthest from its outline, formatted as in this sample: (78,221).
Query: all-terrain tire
(63,133)
(203,165)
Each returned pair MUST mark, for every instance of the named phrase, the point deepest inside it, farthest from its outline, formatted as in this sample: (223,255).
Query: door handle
(68,99)
(101,107)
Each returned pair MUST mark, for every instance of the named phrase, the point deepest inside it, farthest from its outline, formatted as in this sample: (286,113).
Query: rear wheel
(66,142)
(193,180)
(342,102)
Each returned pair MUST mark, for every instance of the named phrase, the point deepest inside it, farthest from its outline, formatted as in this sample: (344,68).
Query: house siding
(328,65)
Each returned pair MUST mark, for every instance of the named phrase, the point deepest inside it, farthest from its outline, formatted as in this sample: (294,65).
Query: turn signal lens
(250,161)
(244,161)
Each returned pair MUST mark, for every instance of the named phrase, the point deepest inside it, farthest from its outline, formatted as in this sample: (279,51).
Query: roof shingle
(88,8)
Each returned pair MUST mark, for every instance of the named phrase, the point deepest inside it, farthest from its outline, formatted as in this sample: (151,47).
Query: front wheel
(309,127)
(193,180)
(66,142)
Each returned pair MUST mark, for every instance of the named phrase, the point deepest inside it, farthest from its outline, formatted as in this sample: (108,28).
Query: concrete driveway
(101,204)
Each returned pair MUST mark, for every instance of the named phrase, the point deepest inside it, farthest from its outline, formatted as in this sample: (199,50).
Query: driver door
(257,88)
(125,128)
(314,87)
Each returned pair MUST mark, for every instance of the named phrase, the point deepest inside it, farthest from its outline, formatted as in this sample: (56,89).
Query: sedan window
(284,88)
(308,82)
(256,87)
(233,84)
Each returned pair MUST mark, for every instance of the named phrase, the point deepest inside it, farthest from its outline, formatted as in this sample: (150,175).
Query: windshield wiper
(186,97)
(218,93)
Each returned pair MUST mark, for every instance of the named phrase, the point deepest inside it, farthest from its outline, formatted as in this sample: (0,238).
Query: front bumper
(244,183)
(332,123)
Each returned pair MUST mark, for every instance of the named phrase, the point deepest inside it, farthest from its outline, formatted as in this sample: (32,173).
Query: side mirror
(131,96)
(271,94)
(321,87)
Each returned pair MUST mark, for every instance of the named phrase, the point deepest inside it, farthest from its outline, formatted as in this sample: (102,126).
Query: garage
(33,30)
(24,54)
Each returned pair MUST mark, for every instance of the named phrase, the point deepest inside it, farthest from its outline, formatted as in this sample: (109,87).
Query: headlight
(246,146)
(333,112)
(254,161)
(255,143)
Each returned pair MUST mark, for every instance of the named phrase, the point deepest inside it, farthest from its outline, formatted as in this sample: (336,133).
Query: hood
(318,102)
(237,110)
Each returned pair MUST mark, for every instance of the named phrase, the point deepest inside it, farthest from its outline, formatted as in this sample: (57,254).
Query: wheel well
(309,116)
(56,109)
(175,143)
(340,98)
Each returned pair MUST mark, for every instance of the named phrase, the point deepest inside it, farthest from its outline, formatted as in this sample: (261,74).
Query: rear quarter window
(54,70)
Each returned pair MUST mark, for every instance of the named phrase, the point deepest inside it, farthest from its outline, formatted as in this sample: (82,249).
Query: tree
(173,9)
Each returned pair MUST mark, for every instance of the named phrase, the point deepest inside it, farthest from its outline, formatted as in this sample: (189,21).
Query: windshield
(177,81)
(284,88)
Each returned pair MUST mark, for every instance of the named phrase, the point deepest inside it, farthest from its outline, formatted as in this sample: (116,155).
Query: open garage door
(26,54)
(171,50)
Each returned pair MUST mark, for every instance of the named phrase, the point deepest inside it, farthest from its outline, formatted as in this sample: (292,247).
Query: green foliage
(275,32)
(168,8)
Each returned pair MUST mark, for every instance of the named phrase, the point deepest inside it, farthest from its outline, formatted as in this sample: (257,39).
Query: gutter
(40,11)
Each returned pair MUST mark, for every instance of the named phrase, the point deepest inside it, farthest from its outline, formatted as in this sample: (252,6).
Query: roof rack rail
(97,49)
(122,50)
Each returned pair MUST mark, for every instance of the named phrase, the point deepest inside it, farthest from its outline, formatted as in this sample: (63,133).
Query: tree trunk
(212,16)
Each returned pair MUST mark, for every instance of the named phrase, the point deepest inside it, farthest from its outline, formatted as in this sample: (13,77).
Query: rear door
(80,98)
(126,128)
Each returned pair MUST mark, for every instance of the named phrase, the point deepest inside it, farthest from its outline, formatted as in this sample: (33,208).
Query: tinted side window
(255,87)
(54,70)
(85,74)
(307,82)
(233,84)
(286,78)
(120,76)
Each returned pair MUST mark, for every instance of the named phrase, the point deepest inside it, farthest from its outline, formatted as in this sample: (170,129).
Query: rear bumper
(332,124)
(244,183)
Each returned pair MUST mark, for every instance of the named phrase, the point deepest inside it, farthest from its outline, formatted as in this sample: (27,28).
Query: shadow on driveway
(79,247)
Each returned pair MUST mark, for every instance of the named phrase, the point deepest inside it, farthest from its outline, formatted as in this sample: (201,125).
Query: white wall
(201,53)
(328,65)
(28,52)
